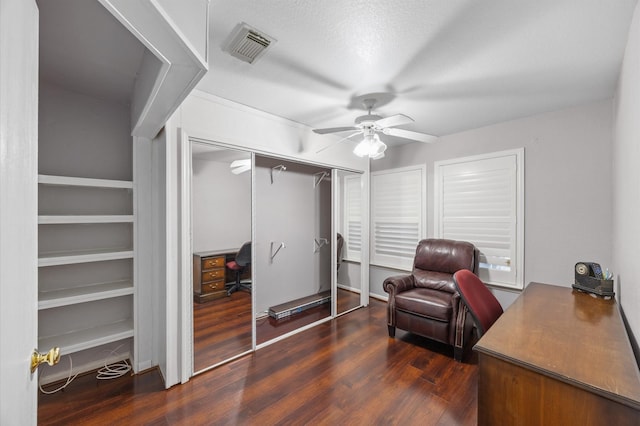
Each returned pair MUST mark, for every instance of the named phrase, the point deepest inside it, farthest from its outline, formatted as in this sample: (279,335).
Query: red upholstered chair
(426,301)
(482,304)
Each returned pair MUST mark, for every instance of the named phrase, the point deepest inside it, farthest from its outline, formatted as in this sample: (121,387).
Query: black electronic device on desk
(590,278)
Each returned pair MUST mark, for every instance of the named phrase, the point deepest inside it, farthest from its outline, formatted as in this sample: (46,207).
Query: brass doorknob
(52,357)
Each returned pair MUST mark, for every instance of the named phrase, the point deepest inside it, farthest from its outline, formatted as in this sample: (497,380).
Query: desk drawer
(212,286)
(212,275)
(213,262)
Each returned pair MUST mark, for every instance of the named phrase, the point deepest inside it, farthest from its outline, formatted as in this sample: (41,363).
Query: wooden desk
(558,357)
(209,274)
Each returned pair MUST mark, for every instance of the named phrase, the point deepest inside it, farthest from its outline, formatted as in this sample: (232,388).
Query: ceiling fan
(240,166)
(370,125)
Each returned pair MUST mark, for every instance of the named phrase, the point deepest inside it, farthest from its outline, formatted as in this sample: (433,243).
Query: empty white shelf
(72,219)
(88,293)
(76,181)
(68,258)
(80,340)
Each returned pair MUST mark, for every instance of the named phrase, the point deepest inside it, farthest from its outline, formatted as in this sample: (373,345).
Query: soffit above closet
(83,48)
(450,65)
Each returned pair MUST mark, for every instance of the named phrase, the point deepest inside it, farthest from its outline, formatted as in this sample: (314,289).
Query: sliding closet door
(349,211)
(292,246)
(221,224)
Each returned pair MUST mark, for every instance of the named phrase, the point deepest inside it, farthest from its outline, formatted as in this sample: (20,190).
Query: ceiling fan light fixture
(370,146)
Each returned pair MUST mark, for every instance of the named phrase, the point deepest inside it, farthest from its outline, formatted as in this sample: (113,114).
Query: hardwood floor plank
(346,371)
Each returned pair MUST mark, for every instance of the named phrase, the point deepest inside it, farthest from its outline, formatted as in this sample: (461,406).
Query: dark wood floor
(222,327)
(346,371)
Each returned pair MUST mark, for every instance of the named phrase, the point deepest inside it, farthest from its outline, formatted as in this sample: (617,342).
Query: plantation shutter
(353,218)
(397,216)
(478,203)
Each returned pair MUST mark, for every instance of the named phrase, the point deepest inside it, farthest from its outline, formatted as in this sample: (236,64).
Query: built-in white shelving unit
(87,293)
(69,219)
(72,257)
(78,181)
(86,286)
(88,338)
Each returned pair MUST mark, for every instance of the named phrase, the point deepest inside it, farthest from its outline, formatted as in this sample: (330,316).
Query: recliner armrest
(397,284)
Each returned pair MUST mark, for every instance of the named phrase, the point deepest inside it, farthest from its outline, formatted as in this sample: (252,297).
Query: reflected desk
(558,357)
(209,274)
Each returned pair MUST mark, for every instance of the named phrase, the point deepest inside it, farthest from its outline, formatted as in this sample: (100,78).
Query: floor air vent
(285,310)
(247,44)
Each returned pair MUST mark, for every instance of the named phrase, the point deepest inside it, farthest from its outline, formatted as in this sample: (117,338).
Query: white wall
(83,136)
(221,206)
(567,187)
(215,119)
(626,178)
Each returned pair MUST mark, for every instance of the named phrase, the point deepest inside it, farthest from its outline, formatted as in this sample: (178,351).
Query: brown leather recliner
(426,301)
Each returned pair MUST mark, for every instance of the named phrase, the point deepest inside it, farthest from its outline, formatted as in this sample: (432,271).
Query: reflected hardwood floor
(345,371)
(222,327)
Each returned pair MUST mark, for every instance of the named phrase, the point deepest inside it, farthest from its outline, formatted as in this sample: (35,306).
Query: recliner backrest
(437,260)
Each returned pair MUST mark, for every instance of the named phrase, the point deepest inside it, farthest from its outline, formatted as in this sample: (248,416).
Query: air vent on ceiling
(247,44)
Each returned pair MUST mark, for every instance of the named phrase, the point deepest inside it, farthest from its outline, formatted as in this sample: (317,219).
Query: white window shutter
(397,205)
(478,201)
(353,218)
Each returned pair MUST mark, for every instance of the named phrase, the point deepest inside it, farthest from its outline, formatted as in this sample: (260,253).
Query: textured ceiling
(450,65)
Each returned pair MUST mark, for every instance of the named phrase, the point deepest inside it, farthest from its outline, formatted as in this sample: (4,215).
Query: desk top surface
(568,335)
(217,252)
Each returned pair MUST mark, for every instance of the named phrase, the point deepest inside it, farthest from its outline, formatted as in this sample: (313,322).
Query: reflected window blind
(397,218)
(353,218)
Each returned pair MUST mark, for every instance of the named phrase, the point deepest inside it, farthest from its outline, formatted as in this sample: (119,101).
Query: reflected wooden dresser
(558,357)
(209,274)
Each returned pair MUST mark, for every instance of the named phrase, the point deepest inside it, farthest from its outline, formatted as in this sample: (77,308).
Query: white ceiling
(451,65)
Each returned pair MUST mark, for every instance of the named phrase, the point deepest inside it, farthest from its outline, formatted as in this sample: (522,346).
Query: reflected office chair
(482,304)
(241,263)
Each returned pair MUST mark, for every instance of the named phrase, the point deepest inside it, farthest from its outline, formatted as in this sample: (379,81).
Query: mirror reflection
(293,250)
(349,200)
(221,242)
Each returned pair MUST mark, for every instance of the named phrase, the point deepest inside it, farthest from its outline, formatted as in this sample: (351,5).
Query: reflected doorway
(221,225)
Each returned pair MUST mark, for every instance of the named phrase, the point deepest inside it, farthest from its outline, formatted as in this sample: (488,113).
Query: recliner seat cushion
(426,302)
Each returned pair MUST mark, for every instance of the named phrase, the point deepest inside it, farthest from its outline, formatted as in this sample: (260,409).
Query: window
(398,206)
(480,199)
(352,225)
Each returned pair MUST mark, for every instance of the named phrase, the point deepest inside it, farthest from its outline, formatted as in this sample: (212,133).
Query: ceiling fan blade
(241,163)
(394,120)
(338,141)
(335,130)
(408,134)
(241,169)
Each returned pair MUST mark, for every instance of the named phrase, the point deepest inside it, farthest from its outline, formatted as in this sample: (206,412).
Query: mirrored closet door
(293,234)
(349,228)
(221,243)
